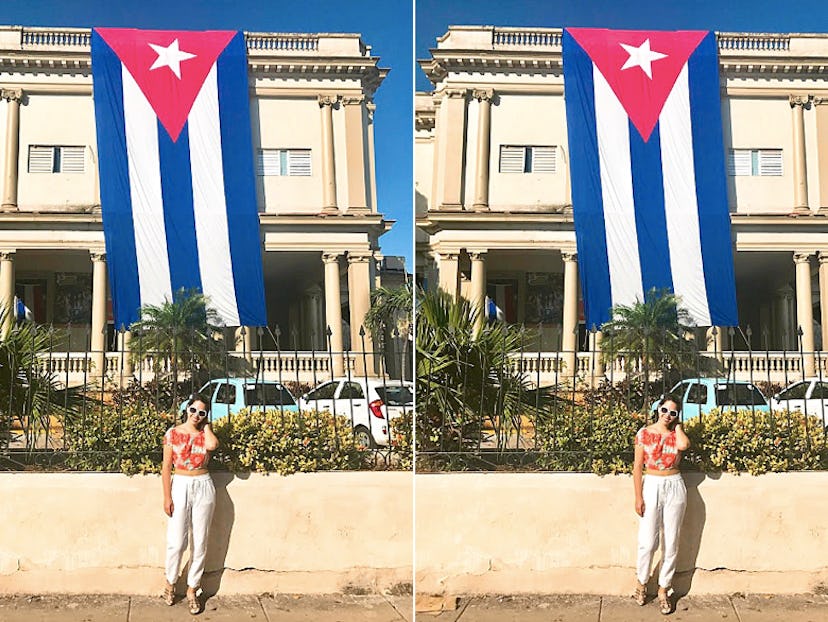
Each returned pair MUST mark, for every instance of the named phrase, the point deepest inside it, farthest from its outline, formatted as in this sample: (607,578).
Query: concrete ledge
(549,533)
(306,533)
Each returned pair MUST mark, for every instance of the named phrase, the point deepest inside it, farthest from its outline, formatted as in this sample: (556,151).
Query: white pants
(665,499)
(194,499)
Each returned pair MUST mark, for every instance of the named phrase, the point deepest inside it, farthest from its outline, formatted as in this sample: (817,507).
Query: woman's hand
(168,507)
(639,507)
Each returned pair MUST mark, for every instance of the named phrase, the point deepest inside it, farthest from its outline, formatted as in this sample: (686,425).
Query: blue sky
(388,29)
(434,17)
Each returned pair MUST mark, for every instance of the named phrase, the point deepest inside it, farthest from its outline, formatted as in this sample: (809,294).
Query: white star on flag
(642,57)
(171,57)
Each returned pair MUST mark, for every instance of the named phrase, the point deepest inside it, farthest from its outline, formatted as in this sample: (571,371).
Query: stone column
(569,338)
(13,96)
(785,323)
(125,372)
(823,297)
(355,149)
(326,106)
(333,311)
(452,148)
(98,335)
(798,105)
(449,273)
(7,290)
(478,285)
(359,298)
(598,368)
(804,309)
(378,257)
(371,107)
(484,123)
(314,295)
(715,342)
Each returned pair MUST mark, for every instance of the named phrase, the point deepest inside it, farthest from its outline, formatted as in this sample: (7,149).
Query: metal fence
(534,409)
(107,411)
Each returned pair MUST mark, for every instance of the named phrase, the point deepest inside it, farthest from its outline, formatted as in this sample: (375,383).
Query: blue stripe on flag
(179,218)
(650,220)
(239,191)
(115,194)
(587,201)
(711,188)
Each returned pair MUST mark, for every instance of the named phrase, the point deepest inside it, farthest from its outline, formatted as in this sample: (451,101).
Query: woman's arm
(166,480)
(682,442)
(638,479)
(211,442)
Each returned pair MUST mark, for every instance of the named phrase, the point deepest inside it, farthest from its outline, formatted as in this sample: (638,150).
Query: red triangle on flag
(661,54)
(182,60)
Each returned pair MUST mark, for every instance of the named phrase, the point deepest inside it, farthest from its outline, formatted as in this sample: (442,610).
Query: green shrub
(401,441)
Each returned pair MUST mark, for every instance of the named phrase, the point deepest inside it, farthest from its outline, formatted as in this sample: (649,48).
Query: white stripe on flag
(613,130)
(141,126)
(680,205)
(209,206)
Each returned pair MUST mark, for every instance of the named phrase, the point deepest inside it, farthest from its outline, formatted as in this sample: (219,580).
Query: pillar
(478,286)
(798,105)
(359,299)
(598,369)
(484,123)
(804,309)
(823,297)
(785,326)
(452,147)
(449,273)
(244,341)
(569,338)
(313,297)
(371,107)
(7,290)
(355,149)
(126,369)
(326,106)
(98,332)
(13,96)
(333,311)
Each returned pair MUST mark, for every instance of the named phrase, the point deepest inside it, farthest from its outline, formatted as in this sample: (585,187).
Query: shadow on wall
(691,532)
(218,541)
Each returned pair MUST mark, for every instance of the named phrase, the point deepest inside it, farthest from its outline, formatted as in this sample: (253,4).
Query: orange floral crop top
(660,453)
(188,452)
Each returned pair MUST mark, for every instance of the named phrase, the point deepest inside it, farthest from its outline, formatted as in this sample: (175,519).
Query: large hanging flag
(649,191)
(175,156)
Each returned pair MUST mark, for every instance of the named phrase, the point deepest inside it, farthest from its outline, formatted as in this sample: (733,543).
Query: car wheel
(364,438)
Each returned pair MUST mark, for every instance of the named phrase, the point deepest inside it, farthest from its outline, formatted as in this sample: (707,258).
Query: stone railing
(761,42)
(281,42)
(520,37)
(52,37)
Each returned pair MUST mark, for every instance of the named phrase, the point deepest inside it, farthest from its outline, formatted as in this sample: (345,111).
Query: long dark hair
(668,397)
(195,397)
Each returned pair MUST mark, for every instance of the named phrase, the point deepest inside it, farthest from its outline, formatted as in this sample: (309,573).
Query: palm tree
(465,376)
(390,318)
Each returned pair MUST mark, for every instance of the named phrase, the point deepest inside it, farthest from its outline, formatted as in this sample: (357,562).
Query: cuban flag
(178,194)
(649,191)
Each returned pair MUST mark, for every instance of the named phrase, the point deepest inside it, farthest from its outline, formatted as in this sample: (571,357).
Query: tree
(466,376)
(390,318)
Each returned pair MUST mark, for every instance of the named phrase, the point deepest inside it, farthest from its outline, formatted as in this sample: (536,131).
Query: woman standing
(660,497)
(189,497)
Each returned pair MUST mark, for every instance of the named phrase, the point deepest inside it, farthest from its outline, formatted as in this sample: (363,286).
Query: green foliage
(287,442)
(390,308)
(402,446)
(757,443)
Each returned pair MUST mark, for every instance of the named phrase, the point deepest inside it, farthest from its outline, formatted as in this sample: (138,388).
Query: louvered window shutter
(71,159)
(512,159)
(543,159)
(41,158)
(299,162)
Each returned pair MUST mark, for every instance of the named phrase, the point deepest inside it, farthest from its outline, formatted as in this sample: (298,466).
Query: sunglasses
(666,411)
(195,411)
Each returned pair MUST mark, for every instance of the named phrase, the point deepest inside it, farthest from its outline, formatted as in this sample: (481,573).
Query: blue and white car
(230,395)
(701,395)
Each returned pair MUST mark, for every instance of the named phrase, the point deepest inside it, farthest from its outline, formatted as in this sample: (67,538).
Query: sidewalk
(264,608)
(734,608)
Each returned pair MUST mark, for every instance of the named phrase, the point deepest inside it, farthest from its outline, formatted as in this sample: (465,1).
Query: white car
(809,396)
(369,405)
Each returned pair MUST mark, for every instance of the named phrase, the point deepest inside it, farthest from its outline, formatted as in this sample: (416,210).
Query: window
(56,159)
(396,395)
(226,394)
(820,391)
(755,162)
(325,392)
(267,395)
(796,392)
(351,391)
(284,162)
(526,159)
(738,395)
(697,394)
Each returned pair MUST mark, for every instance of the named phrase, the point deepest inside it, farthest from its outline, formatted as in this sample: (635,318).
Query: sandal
(664,603)
(169,594)
(640,593)
(193,601)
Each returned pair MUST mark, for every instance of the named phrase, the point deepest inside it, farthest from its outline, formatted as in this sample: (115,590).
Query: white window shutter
(511,159)
(41,158)
(299,162)
(739,162)
(72,159)
(267,162)
(543,159)
(770,162)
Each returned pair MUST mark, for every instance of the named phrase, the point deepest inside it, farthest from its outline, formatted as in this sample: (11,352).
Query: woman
(189,497)
(660,497)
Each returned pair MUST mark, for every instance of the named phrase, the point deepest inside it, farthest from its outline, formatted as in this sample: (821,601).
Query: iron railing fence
(107,411)
(538,410)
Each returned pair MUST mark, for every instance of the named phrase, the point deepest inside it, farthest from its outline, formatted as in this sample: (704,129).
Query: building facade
(311,102)
(493,196)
